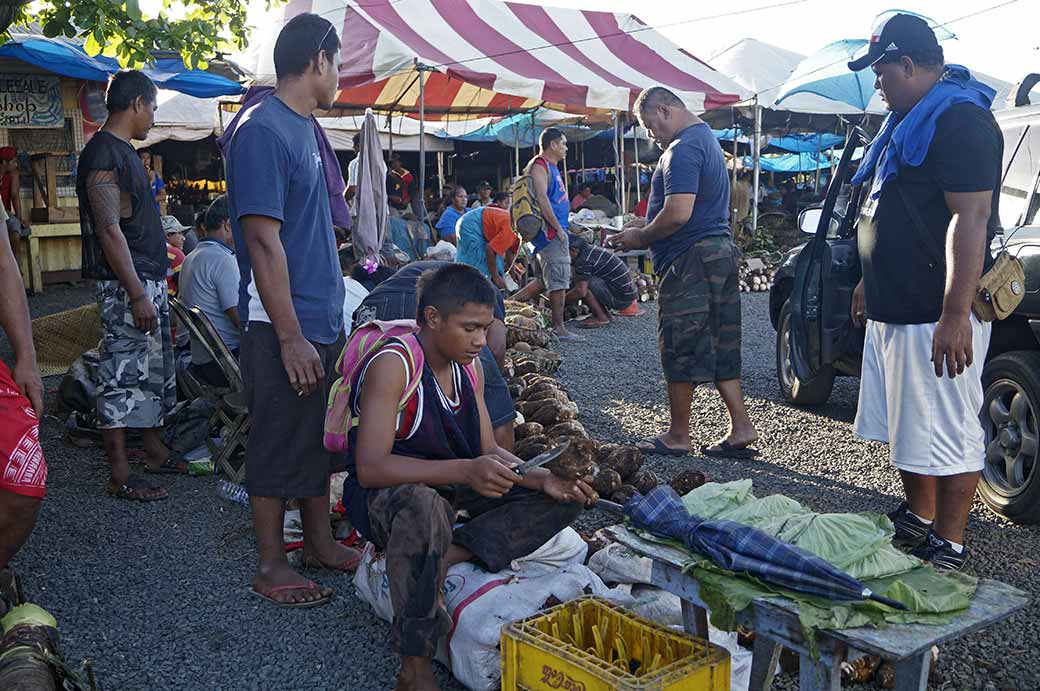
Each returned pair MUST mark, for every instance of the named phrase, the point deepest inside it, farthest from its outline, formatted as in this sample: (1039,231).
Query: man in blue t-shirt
(554,257)
(687,231)
(291,301)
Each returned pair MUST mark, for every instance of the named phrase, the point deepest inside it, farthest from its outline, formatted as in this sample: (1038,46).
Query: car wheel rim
(786,368)
(1009,419)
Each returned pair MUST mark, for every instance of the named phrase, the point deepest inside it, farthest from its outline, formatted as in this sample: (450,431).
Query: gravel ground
(157,594)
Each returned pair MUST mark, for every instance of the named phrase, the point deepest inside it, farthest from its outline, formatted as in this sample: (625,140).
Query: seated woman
(487,241)
(410,471)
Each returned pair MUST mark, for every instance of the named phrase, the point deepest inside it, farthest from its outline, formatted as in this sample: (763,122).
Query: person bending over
(411,471)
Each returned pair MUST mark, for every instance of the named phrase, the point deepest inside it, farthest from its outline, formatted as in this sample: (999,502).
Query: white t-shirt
(355,293)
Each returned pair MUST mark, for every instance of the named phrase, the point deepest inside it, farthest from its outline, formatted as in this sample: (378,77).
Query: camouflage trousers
(698,322)
(413,524)
(137,381)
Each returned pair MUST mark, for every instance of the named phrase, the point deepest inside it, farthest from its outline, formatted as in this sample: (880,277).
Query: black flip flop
(726,450)
(656,446)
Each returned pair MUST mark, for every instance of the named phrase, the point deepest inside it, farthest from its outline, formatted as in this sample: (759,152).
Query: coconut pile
(756,276)
(550,418)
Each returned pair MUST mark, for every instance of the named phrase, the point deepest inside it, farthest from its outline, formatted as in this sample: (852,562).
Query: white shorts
(931,424)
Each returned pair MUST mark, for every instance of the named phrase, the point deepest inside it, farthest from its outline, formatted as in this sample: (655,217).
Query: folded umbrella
(743,549)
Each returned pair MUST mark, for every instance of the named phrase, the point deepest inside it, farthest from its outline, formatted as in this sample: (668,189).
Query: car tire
(796,391)
(1010,410)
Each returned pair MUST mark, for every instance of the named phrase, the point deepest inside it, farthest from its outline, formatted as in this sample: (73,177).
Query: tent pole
(733,175)
(440,170)
(819,143)
(757,159)
(581,152)
(422,142)
(639,177)
(516,145)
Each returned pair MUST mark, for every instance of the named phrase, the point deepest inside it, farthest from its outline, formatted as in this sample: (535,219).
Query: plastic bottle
(234,492)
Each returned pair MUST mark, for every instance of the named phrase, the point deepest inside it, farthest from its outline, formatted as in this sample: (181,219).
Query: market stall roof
(183,118)
(522,129)
(792,163)
(492,57)
(66,57)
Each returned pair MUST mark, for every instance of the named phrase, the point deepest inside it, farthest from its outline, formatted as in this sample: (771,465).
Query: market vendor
(450,217)
(581,197)
(411,471)
(397,298)
(17,221)
(601,279)
(156,182)
(487,241)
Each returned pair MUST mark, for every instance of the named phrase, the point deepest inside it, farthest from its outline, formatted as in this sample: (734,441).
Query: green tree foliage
(197,29)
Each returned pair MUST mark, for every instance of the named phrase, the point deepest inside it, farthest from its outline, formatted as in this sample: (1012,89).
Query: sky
(1003,42)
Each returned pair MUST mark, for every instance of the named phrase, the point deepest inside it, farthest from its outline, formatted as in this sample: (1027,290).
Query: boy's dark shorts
(698,323)
(286,455)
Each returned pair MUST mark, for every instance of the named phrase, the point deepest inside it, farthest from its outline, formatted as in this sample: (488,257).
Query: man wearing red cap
(17,222)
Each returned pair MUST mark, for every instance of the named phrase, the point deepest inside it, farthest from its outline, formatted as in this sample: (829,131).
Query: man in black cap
(923,240)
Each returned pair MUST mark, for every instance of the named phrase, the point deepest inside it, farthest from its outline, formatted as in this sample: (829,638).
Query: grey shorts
(14,225)
(286,455)
(137,381)
(554,261)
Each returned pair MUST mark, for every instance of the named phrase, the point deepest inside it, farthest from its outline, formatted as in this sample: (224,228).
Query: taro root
(604,452)
(606,482)
(527,367)
(570,428)
(577,461)
(626,460)
(548,413)
(515,391)
(549,395)
(522,347)
(644,480)
(531,379)
(687,481)
(528,448)
(529,408)
(528,429)
(537,388)
(623,494)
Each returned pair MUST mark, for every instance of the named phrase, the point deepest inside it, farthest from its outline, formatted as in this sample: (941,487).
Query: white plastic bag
(481,603)
(616,563)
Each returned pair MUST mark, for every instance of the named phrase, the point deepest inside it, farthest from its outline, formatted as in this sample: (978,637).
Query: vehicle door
(828,269)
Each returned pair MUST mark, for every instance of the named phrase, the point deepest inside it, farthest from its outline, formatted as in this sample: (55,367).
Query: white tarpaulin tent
(183,118)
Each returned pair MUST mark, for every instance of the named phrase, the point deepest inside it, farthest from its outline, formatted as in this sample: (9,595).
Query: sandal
(656,446)
(168,467)
(310,585)
(135,488)
(726,450)
(348,565)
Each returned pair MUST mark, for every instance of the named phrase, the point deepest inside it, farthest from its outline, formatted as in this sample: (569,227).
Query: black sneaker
(941,555)
(911,531)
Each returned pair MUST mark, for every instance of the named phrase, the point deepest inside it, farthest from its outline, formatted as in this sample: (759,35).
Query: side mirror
(809,220)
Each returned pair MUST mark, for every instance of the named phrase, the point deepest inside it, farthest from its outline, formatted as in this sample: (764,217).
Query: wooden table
(51,252)
(775,623)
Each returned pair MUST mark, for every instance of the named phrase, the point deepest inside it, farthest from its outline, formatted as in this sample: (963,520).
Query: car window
(1021,163)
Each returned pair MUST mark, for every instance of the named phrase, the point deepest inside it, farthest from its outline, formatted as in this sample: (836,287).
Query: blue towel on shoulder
(904,138)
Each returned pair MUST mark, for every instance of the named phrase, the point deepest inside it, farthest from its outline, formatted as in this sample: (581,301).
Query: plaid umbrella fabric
(743,549)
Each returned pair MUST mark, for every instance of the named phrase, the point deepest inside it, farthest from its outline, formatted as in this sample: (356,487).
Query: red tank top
(6,190)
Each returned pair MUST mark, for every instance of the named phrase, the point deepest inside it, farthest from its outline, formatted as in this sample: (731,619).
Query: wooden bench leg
(695,619)
(765,657)
(819,675)
(912,673)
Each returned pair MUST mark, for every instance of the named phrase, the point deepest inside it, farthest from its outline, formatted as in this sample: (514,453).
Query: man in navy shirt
(687,231)
(291,301)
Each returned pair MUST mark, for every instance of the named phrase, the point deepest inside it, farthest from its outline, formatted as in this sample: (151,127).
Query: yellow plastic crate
(589,644)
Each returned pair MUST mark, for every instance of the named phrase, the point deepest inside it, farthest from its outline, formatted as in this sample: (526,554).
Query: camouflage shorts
(137,382)
(698,323)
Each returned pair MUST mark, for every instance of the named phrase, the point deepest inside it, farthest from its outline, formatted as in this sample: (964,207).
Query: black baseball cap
(895,36)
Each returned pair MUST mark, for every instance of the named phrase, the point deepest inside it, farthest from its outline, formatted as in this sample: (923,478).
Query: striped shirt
(604,264)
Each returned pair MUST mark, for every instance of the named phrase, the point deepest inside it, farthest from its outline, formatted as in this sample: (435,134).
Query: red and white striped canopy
(491,57)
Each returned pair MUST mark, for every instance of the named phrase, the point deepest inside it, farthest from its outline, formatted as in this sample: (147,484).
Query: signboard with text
(30,100)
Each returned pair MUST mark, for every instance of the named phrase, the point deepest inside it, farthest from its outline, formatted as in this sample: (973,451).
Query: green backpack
(525,214)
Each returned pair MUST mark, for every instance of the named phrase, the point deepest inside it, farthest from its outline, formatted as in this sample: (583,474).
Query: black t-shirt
(904,275)
(142,228)
(396,298)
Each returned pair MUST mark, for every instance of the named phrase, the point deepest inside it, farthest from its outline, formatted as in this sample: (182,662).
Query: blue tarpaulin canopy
(520,130)
(792,163)
(794,143)
(67,58)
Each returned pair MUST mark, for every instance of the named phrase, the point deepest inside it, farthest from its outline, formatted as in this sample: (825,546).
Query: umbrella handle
(894,604)
(611,507)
